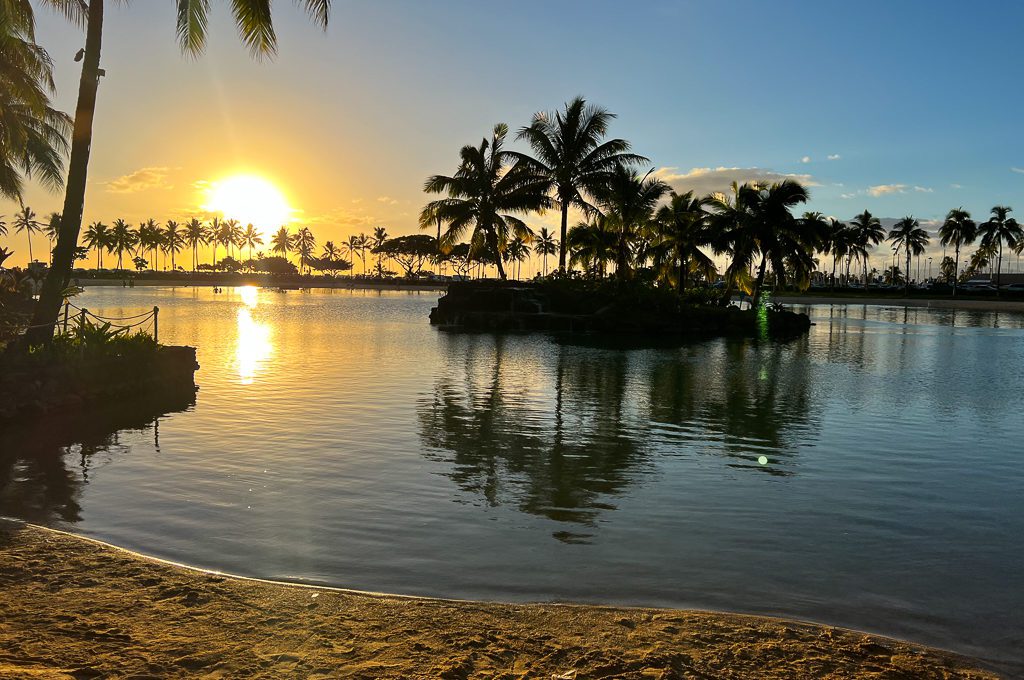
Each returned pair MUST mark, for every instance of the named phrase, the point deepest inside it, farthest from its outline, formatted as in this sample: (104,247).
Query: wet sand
(75,608)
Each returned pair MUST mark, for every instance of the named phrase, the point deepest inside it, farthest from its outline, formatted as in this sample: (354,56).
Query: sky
(900,108)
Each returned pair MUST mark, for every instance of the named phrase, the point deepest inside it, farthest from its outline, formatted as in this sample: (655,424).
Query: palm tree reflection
(565,433)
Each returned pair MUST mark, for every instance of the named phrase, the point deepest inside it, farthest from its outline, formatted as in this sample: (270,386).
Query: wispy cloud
(1017,170)
(140,180)
(805,159)
(834,156)
(956,186)
(924,190)
(386,199)
(709,180)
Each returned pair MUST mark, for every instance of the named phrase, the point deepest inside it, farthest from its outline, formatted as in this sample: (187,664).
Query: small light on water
(763,460)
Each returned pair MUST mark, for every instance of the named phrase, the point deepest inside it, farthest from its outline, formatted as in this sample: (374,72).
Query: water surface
(867,475)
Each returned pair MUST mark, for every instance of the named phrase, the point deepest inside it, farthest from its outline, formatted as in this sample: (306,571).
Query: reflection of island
(39,481)
(562,431)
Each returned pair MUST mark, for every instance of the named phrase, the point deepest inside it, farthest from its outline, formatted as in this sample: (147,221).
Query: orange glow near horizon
(250,199)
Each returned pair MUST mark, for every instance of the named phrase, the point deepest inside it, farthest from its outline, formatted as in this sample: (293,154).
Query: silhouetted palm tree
(680,230)
(173,240)
(25,221)
(281,242)
(867,233)
(592,245)
(837,241)
(758,221)
(255,26)
(233,236)
(487,188)
(195,235)
(122,239)
(303,246)
(380,234)
(148,239)
(958,230)
(907,234)
(52,230)
(251,238)
(545,245)
(1000,229)
(570,150)
(628,201)
(98,236)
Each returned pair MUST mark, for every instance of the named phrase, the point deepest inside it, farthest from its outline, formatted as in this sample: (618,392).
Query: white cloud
(140,180)
(924,190)
(885,189)
(1017,170)
(834,156)
(386,199)
(709,180)
(956,186)
(805,159)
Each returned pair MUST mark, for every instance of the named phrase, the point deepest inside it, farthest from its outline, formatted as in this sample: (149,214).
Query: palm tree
(867,233)
(592,245)
(489,185)
(958,230)
(837,241)
(681,228)
(148,239)
(52,229)
(629,201)
(256,28)
(758,221)
(98,237)
(195,234)
(3,226)
(303,247)
(907,234)
(281,242)
(999,229)
(545,245)
(25,221)
(174,240)
(352,246)
(122,238)
(380,234)
(251,238)
(570,151)
(233,235)
(515,253)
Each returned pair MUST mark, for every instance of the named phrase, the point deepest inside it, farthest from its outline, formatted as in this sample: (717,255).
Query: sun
(250,199)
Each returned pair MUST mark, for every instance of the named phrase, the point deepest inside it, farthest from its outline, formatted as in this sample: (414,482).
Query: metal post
(156,326)
(67,307)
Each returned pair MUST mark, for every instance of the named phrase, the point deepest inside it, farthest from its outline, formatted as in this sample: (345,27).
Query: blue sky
(918,103)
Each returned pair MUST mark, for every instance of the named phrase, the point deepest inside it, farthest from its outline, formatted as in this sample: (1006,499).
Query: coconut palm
(148,239)
(488,187)
(233,236)
(174,240)
(837,241)
(352,246)
(330,251)
(908,235)
(867,233)
(98,237)
(51,229)
(570,151)
(303,246)
(380,235)
(281,242)
(25,221)
(515,253)
(757,221)
(629,201)
(256,29)
(680,230)
(195,234)
(958,230)
(1000,229)
(545,245)
(122,239)
(251,238)
(592,245)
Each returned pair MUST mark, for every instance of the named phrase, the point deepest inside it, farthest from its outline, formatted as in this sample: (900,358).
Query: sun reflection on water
(254,346)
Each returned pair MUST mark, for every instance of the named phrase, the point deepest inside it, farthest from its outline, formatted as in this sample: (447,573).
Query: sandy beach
(76,608)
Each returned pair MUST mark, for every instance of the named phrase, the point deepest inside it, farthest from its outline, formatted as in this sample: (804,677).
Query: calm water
(868,475)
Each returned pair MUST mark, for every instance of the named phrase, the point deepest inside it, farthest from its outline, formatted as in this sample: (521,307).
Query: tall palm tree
(570,151)
(251,238)
(122,238)
(837,241)
(25,221)
(907,234)
(758,221)
(148,239)
(233,236)
(214,236)
(681,229)
(1000,229)
(174,240)
(303,246)
(868,232)
(958,230)
(352,246)
(281,242)
(592,245)
(52,230)
(488,187)
(195,235)
(545,245)
(256,28)
(629,201)
(98,237)
(380,234)
(516,252)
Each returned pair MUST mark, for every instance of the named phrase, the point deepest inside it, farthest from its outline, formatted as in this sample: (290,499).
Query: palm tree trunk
(956,270)
(759,281)
(906,287)
(832,281)
(48,308)
(565,230)
(999,266)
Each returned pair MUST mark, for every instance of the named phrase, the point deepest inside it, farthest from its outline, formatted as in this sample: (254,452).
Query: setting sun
(250,200)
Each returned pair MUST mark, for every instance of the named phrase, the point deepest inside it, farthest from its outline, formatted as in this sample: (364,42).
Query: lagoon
(866,475)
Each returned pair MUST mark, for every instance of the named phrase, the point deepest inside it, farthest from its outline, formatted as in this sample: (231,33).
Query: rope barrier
(70,321)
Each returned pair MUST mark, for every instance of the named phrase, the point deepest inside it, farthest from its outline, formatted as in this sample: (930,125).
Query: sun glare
(250,200)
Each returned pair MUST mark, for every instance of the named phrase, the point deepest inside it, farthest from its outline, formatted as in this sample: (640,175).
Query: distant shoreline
(76,606)
(354,284)
(959,303)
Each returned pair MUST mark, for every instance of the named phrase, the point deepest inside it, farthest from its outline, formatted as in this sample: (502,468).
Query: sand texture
(74,608)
